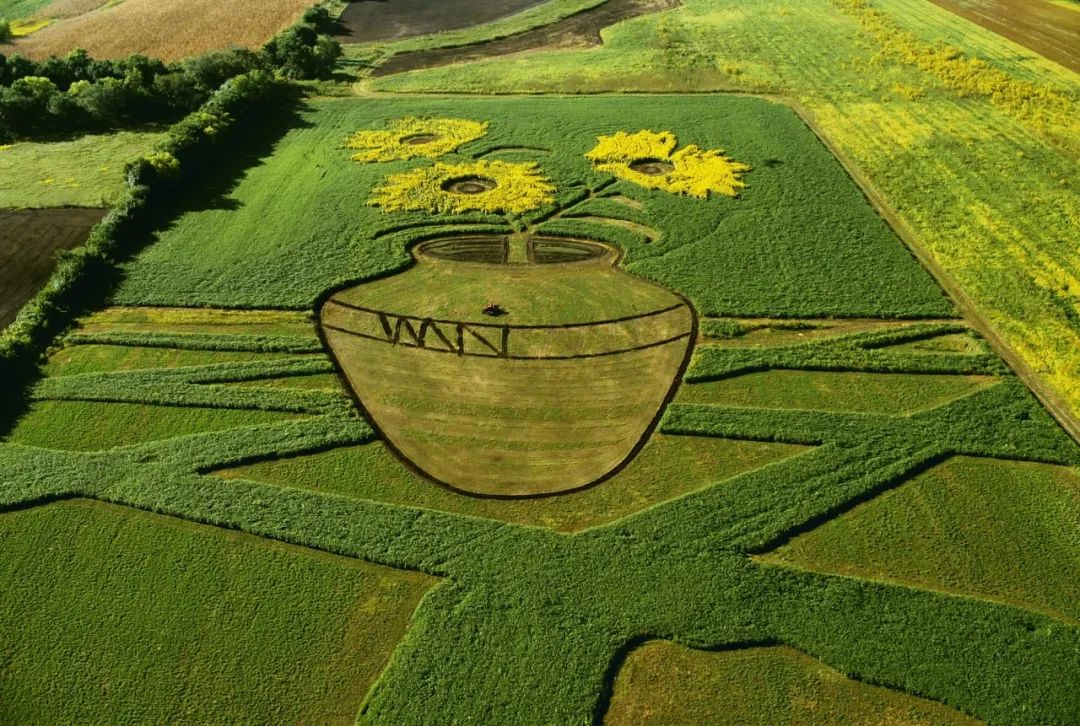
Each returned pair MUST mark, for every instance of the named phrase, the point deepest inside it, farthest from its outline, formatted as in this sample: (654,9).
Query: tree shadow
(213,185)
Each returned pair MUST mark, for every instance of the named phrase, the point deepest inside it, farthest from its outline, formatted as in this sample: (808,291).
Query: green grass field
(307,228)
(16,9)
(187,623)
(83,172)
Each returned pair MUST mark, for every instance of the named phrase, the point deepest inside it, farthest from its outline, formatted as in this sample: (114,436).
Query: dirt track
(576,31)
(371,20)
(29,241)
(1050,30)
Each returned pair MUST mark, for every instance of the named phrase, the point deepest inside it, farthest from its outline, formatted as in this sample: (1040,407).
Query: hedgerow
(78,275)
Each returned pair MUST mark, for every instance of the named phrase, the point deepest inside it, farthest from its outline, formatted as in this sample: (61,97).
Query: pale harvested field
(167,29)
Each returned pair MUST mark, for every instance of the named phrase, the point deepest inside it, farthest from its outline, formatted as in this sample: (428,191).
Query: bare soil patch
(576,31)
(29,241)
(372,20)
(1050,30)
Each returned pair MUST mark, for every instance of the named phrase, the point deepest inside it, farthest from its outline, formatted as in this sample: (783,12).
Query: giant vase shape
(511,366)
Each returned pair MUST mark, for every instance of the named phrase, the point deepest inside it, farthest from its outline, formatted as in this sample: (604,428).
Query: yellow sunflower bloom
(412,137)
(649,159)
(479,186)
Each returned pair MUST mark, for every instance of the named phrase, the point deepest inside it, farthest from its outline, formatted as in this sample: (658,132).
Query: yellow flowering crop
(649,159)
(478,186)
(21,28)
(412,137)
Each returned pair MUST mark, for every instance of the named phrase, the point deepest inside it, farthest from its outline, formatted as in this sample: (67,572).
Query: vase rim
(499,250)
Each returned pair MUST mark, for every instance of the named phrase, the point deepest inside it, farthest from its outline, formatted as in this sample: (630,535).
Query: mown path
(529,624)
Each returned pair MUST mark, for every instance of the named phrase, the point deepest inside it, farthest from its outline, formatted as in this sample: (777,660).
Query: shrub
(304,52)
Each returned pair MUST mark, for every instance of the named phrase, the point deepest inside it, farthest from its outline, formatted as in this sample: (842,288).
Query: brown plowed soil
(29,241)
(576,31)
(371,20)
(166,29)
(1050,30)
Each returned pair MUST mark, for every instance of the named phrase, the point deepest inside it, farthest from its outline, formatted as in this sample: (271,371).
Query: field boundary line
(1045,394)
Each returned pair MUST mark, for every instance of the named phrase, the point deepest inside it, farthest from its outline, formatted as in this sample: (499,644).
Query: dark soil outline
(692,337)
(505,356)
(582,29)
(511,326)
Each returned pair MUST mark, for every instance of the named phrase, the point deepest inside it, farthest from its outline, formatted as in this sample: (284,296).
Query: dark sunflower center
(418,139)
(469,185)
(652,167)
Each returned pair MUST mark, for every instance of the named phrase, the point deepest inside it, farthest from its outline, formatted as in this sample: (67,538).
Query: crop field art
(442,380)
